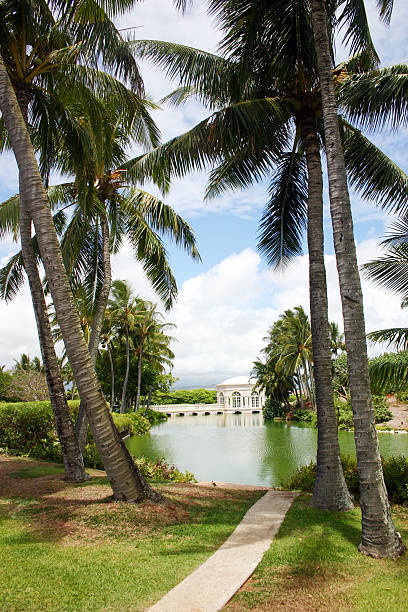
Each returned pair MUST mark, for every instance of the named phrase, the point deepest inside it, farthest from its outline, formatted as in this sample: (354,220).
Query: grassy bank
(314,565)
(65,547)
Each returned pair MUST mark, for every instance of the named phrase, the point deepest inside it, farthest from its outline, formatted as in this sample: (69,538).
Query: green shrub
(402,396)
(306,416)
(381,413)
(395,476)
(186,396)
(155,417)
(273,410)
(134,422)
(27,428)
(159,469)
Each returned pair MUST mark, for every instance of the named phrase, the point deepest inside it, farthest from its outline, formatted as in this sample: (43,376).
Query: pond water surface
(241,448)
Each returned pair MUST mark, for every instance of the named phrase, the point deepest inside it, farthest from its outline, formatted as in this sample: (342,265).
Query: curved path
(212,585)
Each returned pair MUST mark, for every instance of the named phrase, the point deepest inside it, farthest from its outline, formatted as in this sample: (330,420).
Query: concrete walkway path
(212,585)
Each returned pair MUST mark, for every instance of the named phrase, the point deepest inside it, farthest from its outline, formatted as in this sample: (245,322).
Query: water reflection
(241,448)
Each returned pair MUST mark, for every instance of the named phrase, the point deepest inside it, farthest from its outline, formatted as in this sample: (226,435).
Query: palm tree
(127,482)
(336,339)
(262,110)
(379,537)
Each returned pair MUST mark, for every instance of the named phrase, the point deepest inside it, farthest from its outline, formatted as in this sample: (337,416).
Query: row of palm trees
(274,110)
(271,92)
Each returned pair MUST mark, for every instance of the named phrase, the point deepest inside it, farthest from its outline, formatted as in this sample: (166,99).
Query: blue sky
(227,302)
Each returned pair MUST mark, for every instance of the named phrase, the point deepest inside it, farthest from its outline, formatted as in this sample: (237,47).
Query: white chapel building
(238,393)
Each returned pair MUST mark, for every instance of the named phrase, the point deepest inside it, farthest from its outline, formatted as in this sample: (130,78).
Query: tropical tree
(251,134)
(379,537)
(127,482)
(336,339)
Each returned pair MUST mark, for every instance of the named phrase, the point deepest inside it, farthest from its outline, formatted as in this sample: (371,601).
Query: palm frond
(357,31)
(397,336)
(371,172)
(10,218)
(161,217)
(391,270)
(377,98)
(285,216)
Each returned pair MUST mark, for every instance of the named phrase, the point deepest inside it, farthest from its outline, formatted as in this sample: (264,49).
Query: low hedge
(395,475)
(27,428)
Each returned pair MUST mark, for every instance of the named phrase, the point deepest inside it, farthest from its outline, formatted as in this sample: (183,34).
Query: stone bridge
(196,409)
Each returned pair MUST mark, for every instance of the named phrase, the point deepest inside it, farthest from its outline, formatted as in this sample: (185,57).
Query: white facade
(238,393)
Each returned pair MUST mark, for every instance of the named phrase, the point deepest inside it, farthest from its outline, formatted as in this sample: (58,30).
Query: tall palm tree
(251,136)
(379,537)
(127,482)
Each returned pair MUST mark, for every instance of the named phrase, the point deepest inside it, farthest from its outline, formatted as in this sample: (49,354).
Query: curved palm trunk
(126,480)
(81,428)
(330,491)
(379,537)
(123,406)
(139,377)
(71,455)
(112,379)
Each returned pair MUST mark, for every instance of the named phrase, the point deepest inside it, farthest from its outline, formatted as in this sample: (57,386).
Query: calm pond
(240,448)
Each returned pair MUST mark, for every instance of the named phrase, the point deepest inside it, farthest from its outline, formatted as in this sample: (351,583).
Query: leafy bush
(159,469)
(186,396)
(306,416)
(155,417)
(134,422)
(27,428)
(381,413)
(395,476)
(402,396)
(273,410)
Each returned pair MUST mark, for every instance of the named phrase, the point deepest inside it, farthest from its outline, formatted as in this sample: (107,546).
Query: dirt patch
(72,513)
(400,414)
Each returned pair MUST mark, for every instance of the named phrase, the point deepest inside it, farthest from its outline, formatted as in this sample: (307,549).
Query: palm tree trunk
(139,377)
(71,455)
(379,537)
(123,406)
(149,399)
(112,379)
(330,491)
(300,388)
(126,480)
(81,428)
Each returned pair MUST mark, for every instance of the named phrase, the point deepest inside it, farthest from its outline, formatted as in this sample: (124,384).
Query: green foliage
(381,413)
(27,428)
(305,416)
(388,372)
(273,409)
(134,422)
(186,396)
(160,470)
(5,381)
(395,475)
(402,396)
(155,417)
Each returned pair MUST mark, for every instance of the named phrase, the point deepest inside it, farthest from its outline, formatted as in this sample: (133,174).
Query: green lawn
(314,564)
(72,548)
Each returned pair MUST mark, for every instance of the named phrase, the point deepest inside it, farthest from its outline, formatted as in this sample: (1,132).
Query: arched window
(236,400)
(222,399)
(255,400)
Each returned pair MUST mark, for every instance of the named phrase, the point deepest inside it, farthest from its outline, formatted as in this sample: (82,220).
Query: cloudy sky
(227,302)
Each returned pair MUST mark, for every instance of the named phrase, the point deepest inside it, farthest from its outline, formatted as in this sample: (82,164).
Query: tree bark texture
(139,377)
(71,455)
(379,538)
(123,405)
(81,428)
(330,491)
(126,480)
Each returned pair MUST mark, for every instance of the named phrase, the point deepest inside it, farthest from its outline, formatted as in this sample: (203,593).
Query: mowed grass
(314,565)
(72,548)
